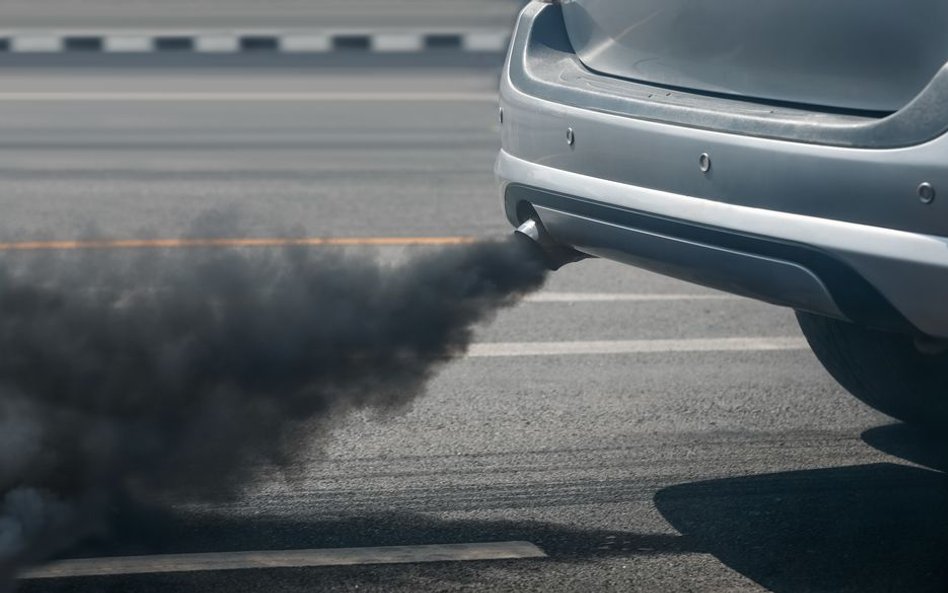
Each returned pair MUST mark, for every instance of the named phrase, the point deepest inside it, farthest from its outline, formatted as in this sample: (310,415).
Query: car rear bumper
(817,225)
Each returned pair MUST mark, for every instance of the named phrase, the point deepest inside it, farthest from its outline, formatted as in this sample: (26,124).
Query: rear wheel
(891,372)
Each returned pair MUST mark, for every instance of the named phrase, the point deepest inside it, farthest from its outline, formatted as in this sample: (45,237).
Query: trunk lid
(872,55)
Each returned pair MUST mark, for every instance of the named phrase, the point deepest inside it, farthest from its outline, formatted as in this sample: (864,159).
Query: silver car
(792,151)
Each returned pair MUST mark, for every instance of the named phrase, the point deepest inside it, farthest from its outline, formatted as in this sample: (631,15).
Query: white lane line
(614,297)
(172,97)
(86,567)
(499,349)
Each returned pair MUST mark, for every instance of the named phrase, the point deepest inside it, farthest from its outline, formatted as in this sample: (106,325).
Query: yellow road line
(229,242)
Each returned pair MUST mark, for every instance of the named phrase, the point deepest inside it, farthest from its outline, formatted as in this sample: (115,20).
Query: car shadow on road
(866,528)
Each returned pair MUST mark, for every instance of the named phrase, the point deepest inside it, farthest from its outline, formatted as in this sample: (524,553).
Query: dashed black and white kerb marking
(229,42)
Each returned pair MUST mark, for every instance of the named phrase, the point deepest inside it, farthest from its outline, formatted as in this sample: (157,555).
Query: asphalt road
(670,470)
(248,14)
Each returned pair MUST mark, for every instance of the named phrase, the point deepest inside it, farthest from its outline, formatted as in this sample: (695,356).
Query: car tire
(888,371)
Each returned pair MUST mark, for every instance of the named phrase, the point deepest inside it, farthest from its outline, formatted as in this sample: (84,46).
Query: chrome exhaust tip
(554,255)
(531,229)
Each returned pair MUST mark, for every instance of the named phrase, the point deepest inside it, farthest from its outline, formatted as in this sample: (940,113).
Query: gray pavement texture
(710,472)
(244,14)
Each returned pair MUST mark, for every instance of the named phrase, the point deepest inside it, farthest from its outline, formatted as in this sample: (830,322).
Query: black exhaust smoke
(168,376)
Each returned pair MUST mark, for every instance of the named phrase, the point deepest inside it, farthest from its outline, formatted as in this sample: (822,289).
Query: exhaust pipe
(554,255)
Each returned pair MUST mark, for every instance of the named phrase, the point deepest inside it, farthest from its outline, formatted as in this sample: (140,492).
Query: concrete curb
(230,42)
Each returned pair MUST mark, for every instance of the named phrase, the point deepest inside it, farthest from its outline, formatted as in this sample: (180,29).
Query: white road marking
(614,297)
(128,44)
(397,42)
(177,97)
(303,43)
(27,43)
(217,44)
(487,41)
(499,349)
(86,567)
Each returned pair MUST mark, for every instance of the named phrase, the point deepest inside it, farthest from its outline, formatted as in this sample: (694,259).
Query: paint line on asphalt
(198,97)
(507,349)
(611,297)
(255,242)
(87,567)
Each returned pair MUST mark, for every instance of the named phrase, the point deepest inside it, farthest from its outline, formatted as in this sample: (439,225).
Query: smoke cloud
(170,375)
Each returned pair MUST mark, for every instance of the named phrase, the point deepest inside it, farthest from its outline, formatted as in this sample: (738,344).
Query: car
(792,152)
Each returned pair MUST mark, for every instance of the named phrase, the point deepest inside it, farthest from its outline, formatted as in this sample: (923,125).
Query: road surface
(693,456)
